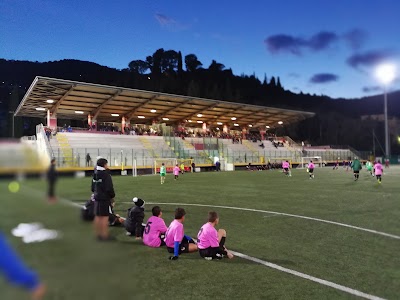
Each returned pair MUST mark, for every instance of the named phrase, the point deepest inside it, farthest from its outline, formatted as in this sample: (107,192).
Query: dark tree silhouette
(192,63)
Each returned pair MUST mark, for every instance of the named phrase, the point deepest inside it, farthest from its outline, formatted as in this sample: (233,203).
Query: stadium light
(153,110)
(79,112)
(141,117)
(165,119)
(40,108)
(217,128)
(190,121)
(199,115)
(219,123)
(115,115)
(267,127)
(50,101)
(233,118)
(235,124)
(280,122)
(386,73)
(200,122)
(250,125)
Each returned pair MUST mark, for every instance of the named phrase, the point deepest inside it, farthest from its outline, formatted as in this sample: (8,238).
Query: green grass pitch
(79,267)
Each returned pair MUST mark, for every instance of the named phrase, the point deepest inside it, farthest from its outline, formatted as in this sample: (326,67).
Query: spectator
(88,160)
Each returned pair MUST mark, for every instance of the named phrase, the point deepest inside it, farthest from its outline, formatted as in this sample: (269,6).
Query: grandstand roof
(75,100)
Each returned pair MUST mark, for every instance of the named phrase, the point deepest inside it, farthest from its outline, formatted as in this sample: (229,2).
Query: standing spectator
(103,189)
(218,166)
(193,167)
(387,163)
(17,273)
(52,179)
(88,160)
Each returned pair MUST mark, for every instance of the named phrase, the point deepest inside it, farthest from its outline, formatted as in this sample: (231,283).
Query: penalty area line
(282,214)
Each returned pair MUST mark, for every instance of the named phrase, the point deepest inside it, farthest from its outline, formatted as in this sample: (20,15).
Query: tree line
(337,121)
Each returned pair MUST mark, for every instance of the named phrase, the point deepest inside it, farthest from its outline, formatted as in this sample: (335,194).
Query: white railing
(43,145)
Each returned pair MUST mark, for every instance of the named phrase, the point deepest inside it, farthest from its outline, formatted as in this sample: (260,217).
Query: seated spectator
(115,219)
(87,211)
(134,221)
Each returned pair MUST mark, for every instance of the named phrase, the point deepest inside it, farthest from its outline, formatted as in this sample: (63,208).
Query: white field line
(282,214)
(259,261)
(308,277)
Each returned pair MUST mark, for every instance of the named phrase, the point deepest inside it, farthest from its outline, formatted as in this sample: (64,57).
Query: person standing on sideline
(17,273)
(310,169)
(210,242)
(103,189)
(378,171)
(88,160)
(163,173)
(52,179)
(176,171)
(218,166)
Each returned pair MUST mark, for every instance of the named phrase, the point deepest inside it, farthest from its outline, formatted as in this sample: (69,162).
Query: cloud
(294,45)
(294,75)
(371,89)
(164,20)
(322,40)
(355,38)
(370,58)
(170,23)
(324,78)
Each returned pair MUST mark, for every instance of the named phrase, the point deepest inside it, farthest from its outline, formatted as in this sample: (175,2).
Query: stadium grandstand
(135,130)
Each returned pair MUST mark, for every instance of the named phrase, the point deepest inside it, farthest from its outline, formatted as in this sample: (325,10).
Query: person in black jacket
(134,220)
(52,179)
(103,189)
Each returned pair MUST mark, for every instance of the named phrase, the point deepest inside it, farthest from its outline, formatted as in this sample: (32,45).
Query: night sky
(322,47)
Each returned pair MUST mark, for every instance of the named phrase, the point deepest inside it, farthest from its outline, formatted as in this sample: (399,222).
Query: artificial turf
(78,267)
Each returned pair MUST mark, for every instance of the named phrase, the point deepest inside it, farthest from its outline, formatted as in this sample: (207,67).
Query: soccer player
(176,171)
(311,167)
(103,189)
(336,165)
(182,168)
(134,220)
(175,239)
(286,168)
(370,167)
(17,273)
(154,232)
(211,243)
(356,166)
(378,171)
(163,173)
(87,211)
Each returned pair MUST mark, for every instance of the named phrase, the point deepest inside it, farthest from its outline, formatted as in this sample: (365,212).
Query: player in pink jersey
(155,229)
(286,168)
(378,171)
(176,171)
(175,239)
(211,243)
(310,168)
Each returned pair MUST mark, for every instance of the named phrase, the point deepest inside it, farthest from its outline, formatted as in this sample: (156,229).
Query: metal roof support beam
(55,107)
(174,108)
(96,112)
(200,111)
(129,115)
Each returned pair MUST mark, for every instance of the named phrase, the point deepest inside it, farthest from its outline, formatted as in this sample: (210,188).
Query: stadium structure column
(123,123)
(51,120)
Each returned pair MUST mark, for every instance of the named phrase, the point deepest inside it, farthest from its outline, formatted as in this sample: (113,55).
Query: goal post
(317,160)
(169,164)
(280,160)
(186,164)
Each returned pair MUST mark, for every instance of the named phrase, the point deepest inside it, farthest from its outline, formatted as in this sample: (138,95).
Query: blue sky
(328,47)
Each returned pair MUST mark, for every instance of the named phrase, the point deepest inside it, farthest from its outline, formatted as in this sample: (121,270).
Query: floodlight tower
(386,73)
